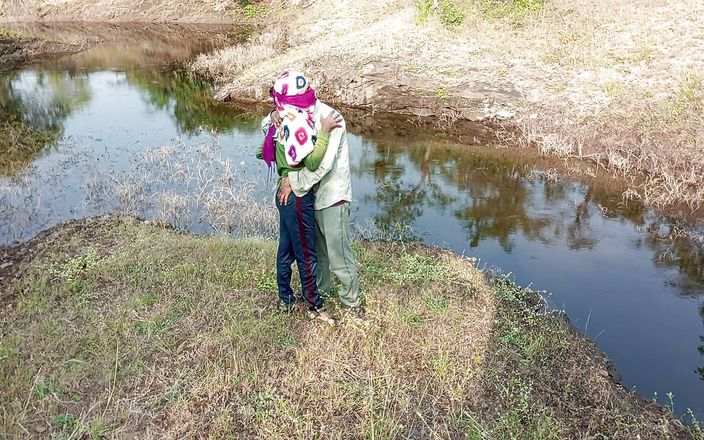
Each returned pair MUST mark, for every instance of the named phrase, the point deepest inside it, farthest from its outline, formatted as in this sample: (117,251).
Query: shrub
(449,13)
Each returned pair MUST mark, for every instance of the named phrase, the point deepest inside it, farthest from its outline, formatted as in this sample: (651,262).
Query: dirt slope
(120,10)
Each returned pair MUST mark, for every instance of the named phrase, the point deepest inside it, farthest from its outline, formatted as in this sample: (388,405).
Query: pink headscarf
(291,89)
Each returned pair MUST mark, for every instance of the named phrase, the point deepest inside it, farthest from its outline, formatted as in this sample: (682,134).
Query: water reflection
(496,198)
(33,108)
(401,202)
(629,266)
(188,99)
(35,103)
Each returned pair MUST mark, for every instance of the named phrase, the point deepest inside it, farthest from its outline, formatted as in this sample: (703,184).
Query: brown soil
(17,51)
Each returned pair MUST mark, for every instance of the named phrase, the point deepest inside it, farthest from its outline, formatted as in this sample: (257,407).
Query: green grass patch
(515,10)
(447,11)
(9,34)
(176,336)
(254,11)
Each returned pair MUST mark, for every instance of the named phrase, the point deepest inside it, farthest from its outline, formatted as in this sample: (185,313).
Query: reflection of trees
(33,107)
(578,230)
(400,203)
(498,201)
(504,198)
(189,100)
(675,249)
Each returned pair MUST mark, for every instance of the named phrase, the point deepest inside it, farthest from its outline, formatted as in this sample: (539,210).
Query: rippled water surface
(121,128)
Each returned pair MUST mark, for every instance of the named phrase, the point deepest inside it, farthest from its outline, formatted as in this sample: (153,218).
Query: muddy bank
(176,335)
(18,49)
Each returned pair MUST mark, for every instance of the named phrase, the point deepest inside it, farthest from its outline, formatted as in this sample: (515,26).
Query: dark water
(118,129)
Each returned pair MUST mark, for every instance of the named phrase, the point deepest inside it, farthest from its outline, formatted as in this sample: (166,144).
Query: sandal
(323,316)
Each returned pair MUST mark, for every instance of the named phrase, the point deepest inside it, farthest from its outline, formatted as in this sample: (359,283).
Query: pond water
(119,129)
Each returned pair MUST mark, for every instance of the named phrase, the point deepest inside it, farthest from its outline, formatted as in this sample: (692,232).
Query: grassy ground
(616,83)
(112,328)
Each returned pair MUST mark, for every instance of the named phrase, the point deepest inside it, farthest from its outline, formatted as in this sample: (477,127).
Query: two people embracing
(306,141)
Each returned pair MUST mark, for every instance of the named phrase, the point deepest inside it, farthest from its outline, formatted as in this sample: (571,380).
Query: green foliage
(613,88)
(442,93)
(690,86)
(74,267)
(436,302)
(256,11)
(448,12)
(43,389)
(409,270)
(412,318)
(65,422)
(98,429)
(424,9)
(516,10)
(689,89)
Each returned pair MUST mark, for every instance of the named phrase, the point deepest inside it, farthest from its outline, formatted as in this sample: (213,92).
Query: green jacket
(311,162)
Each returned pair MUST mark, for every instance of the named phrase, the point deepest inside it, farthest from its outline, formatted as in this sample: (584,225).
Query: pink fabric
(290,90)
(269,147)
(302,101)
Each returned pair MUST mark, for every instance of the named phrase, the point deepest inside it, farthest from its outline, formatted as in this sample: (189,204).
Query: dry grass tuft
(235,59)
(180,188)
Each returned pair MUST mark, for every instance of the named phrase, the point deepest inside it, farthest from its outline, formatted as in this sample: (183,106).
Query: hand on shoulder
(330,122)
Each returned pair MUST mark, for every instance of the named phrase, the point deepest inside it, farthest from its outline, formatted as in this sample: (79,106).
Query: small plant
(9,34)
(255,11)
(412,318)
(671,404)
(442,93)
(436,302)
(72,268)
(449,13)
(514,336)
(65,422)
(424,10)
(690,86)
(98,429)
(151,327)
(697,427)
(287,340)
(440,364)
(613,88)
(44,389)
(146,300)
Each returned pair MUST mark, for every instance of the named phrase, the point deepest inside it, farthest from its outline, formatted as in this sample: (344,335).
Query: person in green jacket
(332,184)
(294,136)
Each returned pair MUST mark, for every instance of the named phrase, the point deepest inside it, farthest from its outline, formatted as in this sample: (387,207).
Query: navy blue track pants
(297,242)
